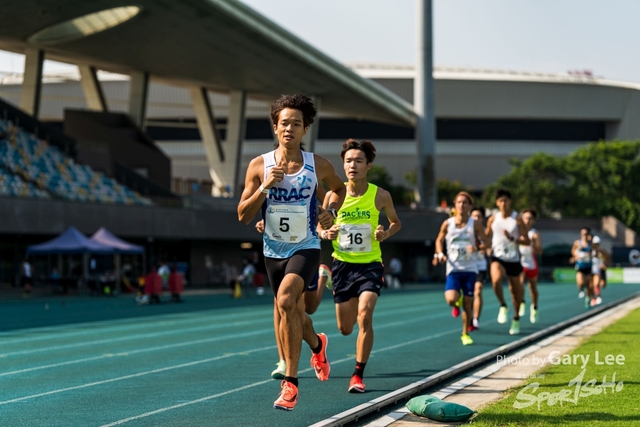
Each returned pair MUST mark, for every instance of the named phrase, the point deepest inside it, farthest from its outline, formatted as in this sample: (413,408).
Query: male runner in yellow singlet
(357,270)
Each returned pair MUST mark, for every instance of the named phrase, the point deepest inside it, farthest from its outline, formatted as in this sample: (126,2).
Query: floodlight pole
(423,105)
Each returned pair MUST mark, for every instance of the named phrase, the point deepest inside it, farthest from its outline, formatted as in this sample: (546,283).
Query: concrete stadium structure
(484,118)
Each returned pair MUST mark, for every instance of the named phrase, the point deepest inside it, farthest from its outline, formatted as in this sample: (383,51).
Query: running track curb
(394,397)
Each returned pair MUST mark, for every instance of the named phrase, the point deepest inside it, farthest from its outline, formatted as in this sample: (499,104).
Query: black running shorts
(481,277)
(303,263)
(350,280)
(587,271)
(513,269)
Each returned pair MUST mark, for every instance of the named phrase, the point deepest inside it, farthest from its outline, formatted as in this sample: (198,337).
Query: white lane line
(136,322)
(204,399)
(129,352)
(217,358)
(139,374)
(54,332)
(179,331)
(127,338)
(195,342)
(214,396)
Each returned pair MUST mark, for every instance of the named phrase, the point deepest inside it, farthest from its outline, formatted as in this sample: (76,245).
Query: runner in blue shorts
(460,233)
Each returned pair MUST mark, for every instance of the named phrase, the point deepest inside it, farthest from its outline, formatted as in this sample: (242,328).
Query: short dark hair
(299,102)
(586,228)
(503,192)
(479,209)
(365,146)
(532,211)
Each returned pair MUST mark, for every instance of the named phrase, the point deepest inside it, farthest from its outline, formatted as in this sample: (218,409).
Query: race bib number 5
(355,238)
(507,251)
(286,223)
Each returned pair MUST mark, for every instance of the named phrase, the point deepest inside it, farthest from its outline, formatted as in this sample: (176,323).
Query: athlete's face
(477,216)
(355,164)
(290,127)
(462,204)
(503,203)
(528,219)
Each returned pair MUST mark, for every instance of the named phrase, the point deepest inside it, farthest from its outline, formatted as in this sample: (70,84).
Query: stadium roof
(378,70)
(219,44)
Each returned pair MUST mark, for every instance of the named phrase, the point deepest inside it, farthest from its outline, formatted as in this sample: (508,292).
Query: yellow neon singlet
(357,221)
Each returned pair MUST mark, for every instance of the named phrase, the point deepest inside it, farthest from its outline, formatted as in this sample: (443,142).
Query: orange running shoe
(288,397)
(319,362)
(356,385)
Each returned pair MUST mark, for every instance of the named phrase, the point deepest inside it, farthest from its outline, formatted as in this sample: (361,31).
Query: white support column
(91,87)
(30,93)
(423,105)
(236,132)
(210,137)
(138,91)
(311,136)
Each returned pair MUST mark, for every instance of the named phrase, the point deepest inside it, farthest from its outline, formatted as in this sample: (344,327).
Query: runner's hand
(331,233)
(439,260)
(325,219)
(275,175)
(380,234)
(260,226)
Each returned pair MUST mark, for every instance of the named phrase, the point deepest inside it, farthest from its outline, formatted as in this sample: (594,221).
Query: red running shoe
(320,362)
(356,385)
(288,397)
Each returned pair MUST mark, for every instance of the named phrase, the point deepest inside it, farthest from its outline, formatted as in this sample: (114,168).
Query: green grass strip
(576,391)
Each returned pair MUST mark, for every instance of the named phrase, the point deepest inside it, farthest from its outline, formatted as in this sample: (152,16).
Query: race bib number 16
(286,223)
(355,238)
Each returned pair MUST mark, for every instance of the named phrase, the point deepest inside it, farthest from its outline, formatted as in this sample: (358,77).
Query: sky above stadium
(523,35)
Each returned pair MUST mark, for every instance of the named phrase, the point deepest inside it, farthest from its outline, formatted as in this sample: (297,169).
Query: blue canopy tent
(106,238)
(71,242)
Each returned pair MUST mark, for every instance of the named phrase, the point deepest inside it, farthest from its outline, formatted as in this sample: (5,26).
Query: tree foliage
(400,194)
(596,180)
(448,189)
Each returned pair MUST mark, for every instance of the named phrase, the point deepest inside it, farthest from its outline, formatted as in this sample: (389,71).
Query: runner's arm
(386,204)
(488,228)
(537,243)
(332,232)
(480,234)
(440,244)
(523,239)
(327,174)
(252,197)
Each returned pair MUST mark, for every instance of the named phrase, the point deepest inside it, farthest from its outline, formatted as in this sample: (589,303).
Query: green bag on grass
(438,410)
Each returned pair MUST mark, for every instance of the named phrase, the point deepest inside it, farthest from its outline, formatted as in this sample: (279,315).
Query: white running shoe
(581,294)
(523,309)
(515,327)
(281,370)
(502,314)
(533,315)
(598,300)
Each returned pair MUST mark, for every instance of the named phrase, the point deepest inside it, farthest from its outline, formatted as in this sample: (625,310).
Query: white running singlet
(527,255)
(289,210)
(458,239)
(501,247)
